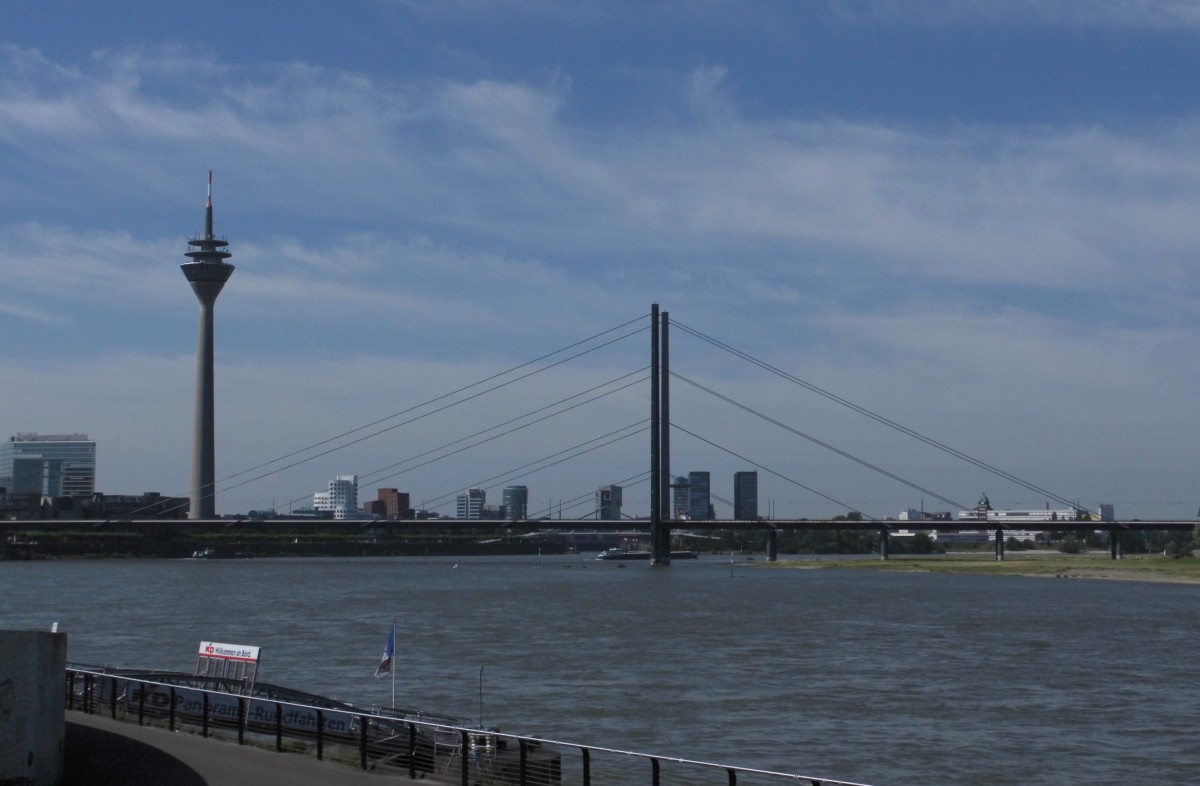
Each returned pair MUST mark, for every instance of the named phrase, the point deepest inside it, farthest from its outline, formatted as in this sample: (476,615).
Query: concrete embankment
(32,696)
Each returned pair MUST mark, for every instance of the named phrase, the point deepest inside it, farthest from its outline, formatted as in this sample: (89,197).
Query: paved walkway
(101,751)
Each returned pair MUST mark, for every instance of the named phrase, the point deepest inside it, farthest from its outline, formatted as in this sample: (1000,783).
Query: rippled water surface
(885,678)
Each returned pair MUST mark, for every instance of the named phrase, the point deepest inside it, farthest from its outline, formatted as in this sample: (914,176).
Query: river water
(884,678)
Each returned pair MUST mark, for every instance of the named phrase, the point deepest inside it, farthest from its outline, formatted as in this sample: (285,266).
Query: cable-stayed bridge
(659,428)
(545,529)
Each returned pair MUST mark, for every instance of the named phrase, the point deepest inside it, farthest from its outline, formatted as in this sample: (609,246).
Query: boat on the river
(216,553)
(629,555)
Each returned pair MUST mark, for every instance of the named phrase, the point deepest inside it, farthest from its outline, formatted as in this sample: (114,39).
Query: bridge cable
(464,388)
(416,407)
(370,476)
(574,502)
(418,417)
(720,499)
(881,419)
(507,476)
(558,456)
(377,472)
(423,415)
(815,441)
(781,476)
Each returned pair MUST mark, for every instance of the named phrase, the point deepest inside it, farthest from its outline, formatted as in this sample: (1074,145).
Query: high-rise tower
(699,501)
(608,503)
(745,496)
(207,272)
(516,502)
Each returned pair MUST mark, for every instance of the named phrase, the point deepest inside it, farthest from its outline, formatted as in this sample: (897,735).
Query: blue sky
(975,218)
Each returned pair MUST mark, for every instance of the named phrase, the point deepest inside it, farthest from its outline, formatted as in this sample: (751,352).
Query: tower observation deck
(207,272)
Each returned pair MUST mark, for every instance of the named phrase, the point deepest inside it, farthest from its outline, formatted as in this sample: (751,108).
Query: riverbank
(243,540)
(1097,565)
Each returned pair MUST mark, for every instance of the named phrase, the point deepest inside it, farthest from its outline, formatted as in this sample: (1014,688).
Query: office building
(516,503)
(745,496)
(983,511)
(679,498)
(699,504)
(51,465)
(392,504)
(608,503)
(470,505)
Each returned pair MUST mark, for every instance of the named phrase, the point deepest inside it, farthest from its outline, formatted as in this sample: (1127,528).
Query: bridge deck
(535,525)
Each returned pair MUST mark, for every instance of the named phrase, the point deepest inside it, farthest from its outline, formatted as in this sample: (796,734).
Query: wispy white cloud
(378,224)
(1145,14)
(26,312)
(61,265)
(1167,15)
(1062,209)
(475,11)
(984,204)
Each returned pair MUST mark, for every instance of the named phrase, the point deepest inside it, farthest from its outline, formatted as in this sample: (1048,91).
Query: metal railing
(397,742)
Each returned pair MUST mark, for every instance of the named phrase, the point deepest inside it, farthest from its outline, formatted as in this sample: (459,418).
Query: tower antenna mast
(207,272)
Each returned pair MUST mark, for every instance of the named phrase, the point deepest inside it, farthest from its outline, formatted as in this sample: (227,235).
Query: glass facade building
(679,498)
(745,496)
(699,503)
(53,465)
(516,503)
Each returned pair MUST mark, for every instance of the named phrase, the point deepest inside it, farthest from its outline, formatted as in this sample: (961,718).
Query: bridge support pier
(1114,543)
(883,544)
(999,545)
(772,544)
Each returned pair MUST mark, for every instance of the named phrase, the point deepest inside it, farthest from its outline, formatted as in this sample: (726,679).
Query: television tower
(207,272)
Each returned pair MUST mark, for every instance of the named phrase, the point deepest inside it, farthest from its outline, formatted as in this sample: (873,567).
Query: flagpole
(393,663)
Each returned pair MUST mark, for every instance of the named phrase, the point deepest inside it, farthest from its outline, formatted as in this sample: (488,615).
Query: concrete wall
(32,700)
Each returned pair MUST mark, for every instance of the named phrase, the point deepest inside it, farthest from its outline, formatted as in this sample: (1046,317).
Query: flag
(389,652)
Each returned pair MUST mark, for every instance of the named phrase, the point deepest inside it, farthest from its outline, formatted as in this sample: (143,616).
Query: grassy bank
(1048,564)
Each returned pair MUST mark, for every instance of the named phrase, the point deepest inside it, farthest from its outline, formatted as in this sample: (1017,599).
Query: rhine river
(883,678)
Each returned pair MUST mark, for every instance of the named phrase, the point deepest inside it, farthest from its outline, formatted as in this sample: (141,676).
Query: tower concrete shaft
(207,272)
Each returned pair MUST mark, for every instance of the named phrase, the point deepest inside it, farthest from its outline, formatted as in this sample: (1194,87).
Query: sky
(976,219)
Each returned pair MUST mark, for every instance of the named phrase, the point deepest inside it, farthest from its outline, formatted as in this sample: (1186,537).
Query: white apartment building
(471,504)
(341,499)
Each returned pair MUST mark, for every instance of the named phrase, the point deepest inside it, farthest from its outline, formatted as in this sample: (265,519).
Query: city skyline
(974,219)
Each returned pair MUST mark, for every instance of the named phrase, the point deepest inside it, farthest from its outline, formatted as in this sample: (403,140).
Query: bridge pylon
(660,470)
